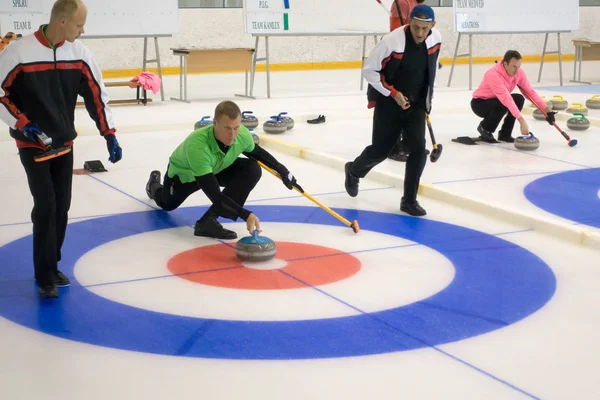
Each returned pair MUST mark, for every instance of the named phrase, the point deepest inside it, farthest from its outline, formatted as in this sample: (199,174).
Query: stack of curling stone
(275,125)
(594,102)
(249,120)
(255,138)
(205,121)
(537,114)
(559,103)
(255,248)
(578,122)
(288,120)
(577,108)
(527,143)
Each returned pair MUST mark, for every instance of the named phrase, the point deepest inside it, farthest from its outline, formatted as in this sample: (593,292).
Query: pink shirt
(497,84)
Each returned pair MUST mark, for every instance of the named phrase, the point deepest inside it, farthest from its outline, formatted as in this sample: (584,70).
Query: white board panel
(20,6)
(20,23)
(106,18)
(515,16)
(314,17)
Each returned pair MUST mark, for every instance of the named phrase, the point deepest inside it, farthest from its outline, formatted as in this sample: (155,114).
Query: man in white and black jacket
(401,72)
(41,76)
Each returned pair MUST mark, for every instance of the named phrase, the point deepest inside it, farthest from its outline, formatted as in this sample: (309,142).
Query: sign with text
(515,16)
(266,5)
(20,6)
(21,23)
(266,22)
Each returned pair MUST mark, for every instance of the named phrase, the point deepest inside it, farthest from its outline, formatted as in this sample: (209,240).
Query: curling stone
(530,104)
(255,248)
(288,120)
(594,102)
(249,120)
(537,114)
(527,143)
(577,108)
(205,121)
(559,103)
(578,122)
(255,138)
(275,125)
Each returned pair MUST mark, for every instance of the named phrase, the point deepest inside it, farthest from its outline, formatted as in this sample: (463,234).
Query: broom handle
(308,196)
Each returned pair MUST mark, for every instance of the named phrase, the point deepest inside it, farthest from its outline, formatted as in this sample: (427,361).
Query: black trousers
(50,183)
(492,111)
(238,181)
(389,121)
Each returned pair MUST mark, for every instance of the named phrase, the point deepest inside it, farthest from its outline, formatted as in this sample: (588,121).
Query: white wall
(225,28)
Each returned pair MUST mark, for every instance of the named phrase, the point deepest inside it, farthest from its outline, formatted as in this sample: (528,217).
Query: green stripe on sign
(285,22)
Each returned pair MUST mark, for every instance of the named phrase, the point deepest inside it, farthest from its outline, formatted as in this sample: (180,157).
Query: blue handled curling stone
(275,125)
(249,120)
(289,122)
(205,121)
(255,138)
(255,248)
(527,143)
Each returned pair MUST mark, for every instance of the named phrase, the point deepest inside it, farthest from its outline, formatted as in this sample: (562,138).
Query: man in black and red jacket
(41,76)
(401,72)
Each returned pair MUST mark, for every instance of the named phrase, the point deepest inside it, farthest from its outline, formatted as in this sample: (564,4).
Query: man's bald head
(68,18)
(65,9)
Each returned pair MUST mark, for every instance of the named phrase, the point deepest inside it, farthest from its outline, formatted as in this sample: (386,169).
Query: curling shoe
(154,178)
(351,181)
(210,227)
(413,209)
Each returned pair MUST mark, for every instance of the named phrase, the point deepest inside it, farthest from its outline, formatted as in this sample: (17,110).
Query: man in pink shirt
(493,99)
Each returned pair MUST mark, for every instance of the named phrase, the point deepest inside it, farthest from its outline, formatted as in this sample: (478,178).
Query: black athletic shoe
(60,280)
(413,209)
(210,227)
(506,138)
(48,292)
(486,136)
(351,181)
(154,178)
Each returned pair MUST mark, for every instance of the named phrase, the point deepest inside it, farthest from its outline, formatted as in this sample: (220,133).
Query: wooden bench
(585,50)
(144,99)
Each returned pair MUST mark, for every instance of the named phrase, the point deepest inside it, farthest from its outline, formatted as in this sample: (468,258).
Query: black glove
(550,117)
(115,153)
(289,180)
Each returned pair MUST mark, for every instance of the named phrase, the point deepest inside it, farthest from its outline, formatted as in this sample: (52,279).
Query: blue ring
(572,195)
(496,284)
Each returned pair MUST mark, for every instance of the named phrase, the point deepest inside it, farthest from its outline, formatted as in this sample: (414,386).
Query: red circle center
(307,265)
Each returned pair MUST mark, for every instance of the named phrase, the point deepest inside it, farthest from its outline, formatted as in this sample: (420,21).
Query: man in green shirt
(209,159)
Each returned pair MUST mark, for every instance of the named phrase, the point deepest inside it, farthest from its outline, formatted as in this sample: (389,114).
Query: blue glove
(115,153)
(33,132)
(289,181)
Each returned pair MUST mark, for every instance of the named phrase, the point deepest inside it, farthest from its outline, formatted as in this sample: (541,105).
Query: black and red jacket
(381,67)
(39,83)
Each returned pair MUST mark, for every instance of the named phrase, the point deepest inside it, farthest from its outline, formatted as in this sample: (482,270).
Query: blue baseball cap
(425,10)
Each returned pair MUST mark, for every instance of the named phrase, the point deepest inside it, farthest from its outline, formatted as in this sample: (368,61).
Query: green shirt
(199,154)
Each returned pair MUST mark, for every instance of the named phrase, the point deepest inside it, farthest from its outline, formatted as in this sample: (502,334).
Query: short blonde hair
(227,108)
(64,8)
